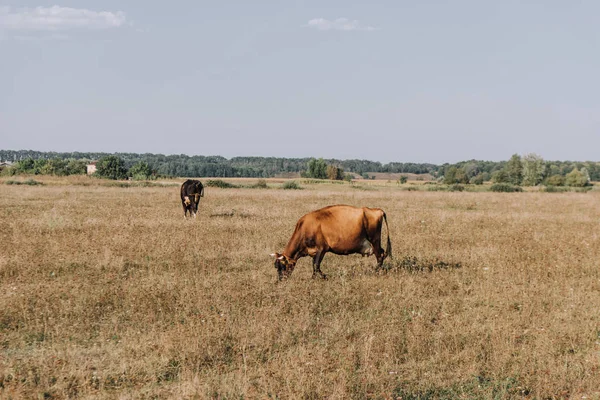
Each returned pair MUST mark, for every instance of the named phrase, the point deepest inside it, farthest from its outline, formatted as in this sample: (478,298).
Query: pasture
(107,292)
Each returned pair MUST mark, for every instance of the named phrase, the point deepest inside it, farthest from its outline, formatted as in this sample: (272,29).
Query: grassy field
(107,292)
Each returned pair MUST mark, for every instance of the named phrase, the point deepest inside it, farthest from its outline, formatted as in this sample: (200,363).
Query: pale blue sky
(406,81)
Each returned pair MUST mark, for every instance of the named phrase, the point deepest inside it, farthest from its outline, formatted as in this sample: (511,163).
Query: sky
(383,80)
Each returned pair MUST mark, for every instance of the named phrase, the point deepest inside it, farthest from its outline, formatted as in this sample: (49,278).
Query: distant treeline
(265,167)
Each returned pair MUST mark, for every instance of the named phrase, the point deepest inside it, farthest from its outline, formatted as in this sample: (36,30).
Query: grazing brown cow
(191,191)
(337,229)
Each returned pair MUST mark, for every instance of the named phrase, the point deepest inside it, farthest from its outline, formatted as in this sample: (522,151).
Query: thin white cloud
(56,18)
(338,24)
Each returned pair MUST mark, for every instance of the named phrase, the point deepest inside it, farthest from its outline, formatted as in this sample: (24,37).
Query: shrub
(219,183)
(291,185)
(261,184)
(555,180)
(505,187)
(584,189)
(576,178)
(111,167)
(437,188)
(477,179)
(141,172)
(556,189)
(456,188)
(402,180)
(29,182)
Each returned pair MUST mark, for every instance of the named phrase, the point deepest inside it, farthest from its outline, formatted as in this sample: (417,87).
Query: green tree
(586,175)
(461,175)
(555,180)
(533,169)
(39,166)
(76,167)
(478,179)
(576,178)
(500,176)
(111,167)
(450,175)
(335,173)
(54,166)
(317,169)
(140,171)
(25,166)
(514,170)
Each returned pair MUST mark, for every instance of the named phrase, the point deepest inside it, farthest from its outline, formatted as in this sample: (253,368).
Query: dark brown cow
(191,191)
(337,229)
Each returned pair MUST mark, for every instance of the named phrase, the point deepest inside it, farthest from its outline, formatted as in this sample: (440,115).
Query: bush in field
(29,182)
(402,180)
(556,189)
(261,184)
(76,167)
(477,180)
(576,178)
(111,167)
(500,176)
(8,171)
(141,171)
(505,187)
(219,183)
(291,185)
(555,180)
(456,188)
(348,177)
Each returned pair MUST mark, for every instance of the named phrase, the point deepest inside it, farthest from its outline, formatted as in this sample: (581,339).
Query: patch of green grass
(413,264)
(29,182)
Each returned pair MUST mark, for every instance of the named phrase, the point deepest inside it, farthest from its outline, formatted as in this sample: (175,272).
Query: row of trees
(527,170)
(53,166)
(474,171)
(110,167)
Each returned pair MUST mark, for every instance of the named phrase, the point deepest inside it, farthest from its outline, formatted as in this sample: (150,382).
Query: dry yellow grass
(107,292)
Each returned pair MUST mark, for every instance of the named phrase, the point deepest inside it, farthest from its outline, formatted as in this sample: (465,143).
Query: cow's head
(284,265)
(187,201)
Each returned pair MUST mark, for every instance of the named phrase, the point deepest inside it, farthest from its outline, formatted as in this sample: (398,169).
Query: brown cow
(338,229)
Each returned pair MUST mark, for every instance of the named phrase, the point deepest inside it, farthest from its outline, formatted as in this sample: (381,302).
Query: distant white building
(91,167)
(5,164)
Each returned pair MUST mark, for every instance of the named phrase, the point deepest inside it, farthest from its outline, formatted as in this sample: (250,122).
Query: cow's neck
(293,250)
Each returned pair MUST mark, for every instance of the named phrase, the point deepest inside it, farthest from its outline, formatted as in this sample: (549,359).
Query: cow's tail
(388,249)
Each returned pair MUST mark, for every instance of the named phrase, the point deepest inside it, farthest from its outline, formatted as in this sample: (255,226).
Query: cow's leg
(379,252)
(184,211)
(317,265)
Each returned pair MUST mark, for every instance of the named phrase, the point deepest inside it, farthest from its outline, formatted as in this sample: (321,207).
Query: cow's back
(338,227)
